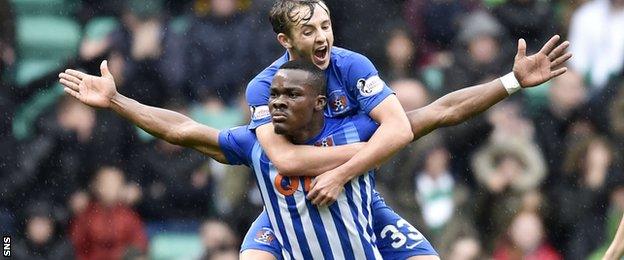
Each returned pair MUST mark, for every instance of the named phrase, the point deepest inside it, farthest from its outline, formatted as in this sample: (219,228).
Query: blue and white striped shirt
(341,231)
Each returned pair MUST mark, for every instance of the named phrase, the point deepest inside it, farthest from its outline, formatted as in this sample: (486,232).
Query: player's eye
(293,95)
(325,27)
(273,95)
(307,33)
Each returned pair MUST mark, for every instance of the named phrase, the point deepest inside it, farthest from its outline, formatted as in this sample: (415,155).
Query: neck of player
(309,131)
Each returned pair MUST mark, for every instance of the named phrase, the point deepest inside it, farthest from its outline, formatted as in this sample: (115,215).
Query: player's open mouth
(320,54)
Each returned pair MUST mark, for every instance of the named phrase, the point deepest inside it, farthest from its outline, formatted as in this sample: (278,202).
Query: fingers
(521,48)
(316,199)
(313,191)
(558,72)
(104,70)
(68,84)
(72,92)
(550,45)
(75,73)
(558,51)
(69,78)
(327,201)
(561,60)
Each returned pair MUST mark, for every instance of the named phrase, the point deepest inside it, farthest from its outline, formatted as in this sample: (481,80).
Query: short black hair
(317,76)
(283,15)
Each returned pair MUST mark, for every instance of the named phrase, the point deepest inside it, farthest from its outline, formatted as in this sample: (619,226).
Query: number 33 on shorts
(399,239)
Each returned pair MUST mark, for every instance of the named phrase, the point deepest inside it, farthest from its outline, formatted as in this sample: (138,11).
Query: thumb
(521,48)
(104,70)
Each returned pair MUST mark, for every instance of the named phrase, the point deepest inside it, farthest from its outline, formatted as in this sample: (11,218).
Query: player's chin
(280,128)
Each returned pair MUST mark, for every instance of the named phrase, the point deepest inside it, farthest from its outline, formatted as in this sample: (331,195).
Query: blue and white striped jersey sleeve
(363,82)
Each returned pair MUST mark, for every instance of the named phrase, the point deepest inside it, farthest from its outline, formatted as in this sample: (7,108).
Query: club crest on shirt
(265,236)
(370,86)
(338,102)
(327,141)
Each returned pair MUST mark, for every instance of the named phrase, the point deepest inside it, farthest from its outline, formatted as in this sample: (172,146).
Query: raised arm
(461,105)
(451,109)
(173,127)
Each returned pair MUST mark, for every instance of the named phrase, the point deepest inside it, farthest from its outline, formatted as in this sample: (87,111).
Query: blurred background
(538,176)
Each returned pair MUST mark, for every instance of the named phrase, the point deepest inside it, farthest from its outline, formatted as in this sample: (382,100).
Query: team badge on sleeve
(370,86)
(265,236)
(259,112)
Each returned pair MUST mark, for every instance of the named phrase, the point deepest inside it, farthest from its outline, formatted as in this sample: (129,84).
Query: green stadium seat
(32,69)
(27,113)
(180,24)
(47,37)
(44,7)
(537,97)
(99,27)
(175,246)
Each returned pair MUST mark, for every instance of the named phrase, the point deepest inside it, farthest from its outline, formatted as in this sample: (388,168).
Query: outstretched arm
(168,125)
(461,105)
(616,249)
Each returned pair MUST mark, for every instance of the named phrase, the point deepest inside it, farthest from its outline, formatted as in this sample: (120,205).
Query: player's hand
(91,90)
(542,66)
(326,188)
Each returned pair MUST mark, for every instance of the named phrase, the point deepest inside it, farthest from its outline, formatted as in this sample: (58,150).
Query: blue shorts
(396,238)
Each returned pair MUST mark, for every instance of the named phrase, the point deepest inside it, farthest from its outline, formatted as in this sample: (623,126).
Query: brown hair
(283,14)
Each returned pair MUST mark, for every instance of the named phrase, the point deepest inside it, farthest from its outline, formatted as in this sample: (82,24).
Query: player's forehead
(302,13)
(289,80)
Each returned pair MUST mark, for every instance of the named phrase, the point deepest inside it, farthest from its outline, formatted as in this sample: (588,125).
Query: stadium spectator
(526,19)
(220,40)
(89,9)
(525,239)
(73,142)
(218,240)
(404,165)
(363,35)
(582,196)
(477,53)
(7,38)
(465,248)
(507,167)
(176,182)
(400,56)
(441,199)
(107,229)
(591,46)
(152,56)
(434,25)
(42,239)
(566,97)
(477,58)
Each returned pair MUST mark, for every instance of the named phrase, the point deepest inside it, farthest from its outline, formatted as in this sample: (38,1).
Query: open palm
(91,90)
(542,66)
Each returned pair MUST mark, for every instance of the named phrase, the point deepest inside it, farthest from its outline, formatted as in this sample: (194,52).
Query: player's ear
(321,101)
(284,40)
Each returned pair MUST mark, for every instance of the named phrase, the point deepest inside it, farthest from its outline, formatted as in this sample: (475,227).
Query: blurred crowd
(538,176)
